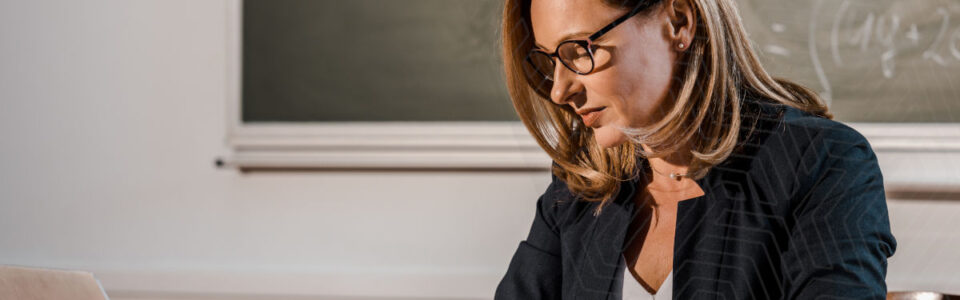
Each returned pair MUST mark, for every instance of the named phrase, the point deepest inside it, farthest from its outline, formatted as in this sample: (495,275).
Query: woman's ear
(683,22)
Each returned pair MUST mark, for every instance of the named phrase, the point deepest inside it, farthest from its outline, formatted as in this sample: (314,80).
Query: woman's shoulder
(560,205)
(558,194)
(792,130)
(802,149)
(790,149)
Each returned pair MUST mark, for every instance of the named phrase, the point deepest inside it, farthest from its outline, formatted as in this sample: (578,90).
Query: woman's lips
(591,117)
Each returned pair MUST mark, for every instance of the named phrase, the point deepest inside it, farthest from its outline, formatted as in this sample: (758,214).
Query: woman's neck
(676,163)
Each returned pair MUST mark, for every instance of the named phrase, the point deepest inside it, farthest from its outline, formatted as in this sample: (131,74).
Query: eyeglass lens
(572,54)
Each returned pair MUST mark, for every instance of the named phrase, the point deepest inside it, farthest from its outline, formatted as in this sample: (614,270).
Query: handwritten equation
(850,44)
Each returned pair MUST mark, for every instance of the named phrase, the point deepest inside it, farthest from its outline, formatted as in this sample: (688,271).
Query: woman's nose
(564,85)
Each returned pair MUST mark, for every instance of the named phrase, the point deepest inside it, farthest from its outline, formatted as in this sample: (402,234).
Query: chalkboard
(874,60)
(438,60)
(373,60)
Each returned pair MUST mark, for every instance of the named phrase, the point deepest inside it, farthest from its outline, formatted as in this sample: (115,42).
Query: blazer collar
(608,235)
(608,238)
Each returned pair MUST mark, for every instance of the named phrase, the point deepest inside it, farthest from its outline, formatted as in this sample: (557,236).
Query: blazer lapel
(605,244)
(698,243)
(701,232)
(697,257)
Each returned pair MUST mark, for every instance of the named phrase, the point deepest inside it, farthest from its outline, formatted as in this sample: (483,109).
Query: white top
(633,290)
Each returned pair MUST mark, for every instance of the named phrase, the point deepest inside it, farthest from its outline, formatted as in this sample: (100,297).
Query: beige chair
(918,295)
(24,283)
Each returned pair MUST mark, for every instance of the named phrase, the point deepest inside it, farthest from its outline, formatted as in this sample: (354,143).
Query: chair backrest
(920,295)
(25,283)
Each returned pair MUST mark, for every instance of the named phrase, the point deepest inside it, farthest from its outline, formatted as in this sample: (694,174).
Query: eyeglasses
(576,55)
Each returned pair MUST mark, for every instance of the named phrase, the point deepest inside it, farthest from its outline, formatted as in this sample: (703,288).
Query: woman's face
(634,65)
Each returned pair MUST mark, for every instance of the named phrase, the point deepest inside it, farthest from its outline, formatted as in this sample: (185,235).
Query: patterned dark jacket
(797,212)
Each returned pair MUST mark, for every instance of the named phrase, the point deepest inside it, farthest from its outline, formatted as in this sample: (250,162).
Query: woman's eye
(582,51)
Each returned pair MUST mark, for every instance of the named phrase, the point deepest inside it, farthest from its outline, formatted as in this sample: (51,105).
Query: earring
(680,45)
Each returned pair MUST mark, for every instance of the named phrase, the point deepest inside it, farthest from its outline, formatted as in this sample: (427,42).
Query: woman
(703,176)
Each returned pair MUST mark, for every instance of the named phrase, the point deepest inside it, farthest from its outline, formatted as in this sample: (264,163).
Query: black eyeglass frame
(586,44)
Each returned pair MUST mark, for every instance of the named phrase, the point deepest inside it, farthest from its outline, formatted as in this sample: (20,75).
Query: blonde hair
(718,70)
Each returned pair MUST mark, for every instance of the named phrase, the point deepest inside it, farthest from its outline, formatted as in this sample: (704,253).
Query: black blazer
(797,212)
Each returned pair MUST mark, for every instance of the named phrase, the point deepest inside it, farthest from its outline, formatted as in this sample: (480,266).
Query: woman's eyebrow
(565,37)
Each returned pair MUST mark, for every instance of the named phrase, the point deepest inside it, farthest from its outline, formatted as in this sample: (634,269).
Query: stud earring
(680,45)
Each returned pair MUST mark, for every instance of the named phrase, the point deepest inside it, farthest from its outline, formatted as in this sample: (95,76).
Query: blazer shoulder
(786,132)
(558,193)
(560,203)
(799,145)
(822,133)
(820,148)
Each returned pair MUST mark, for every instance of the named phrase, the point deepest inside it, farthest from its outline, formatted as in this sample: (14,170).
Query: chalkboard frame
(498,145)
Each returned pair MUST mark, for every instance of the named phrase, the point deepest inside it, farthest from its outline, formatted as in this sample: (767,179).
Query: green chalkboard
(373,60)
(438,60)
(875,60)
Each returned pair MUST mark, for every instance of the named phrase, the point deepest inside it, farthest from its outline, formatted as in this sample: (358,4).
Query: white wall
(112,111)
(112,114)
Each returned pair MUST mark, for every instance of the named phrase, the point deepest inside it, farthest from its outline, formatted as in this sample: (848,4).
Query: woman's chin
(607,137)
